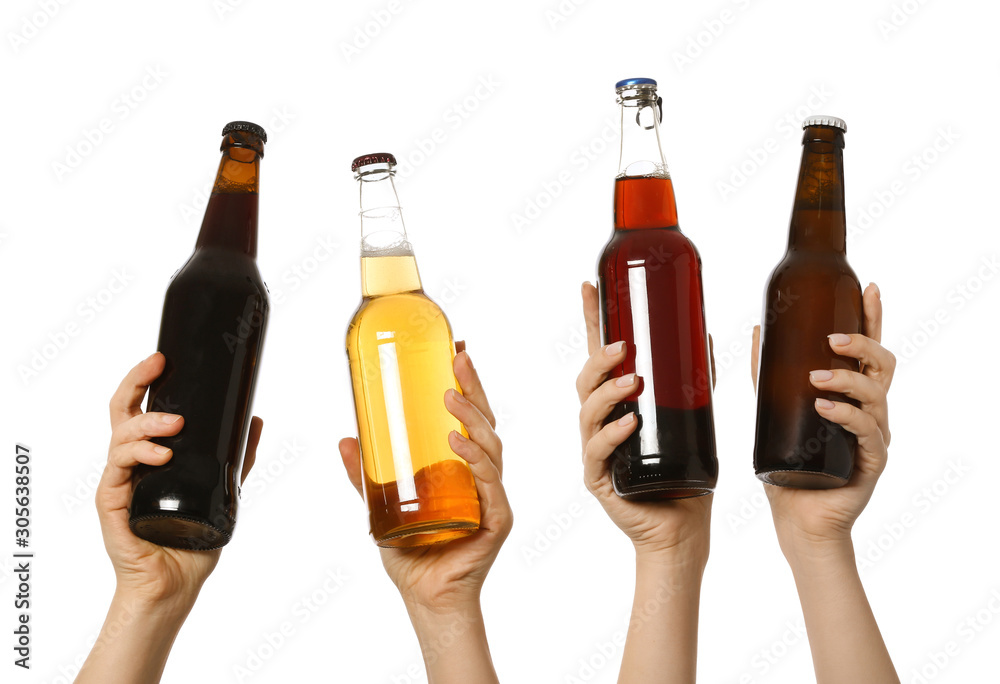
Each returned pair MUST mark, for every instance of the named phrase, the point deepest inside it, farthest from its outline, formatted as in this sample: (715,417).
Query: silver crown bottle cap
(822,120)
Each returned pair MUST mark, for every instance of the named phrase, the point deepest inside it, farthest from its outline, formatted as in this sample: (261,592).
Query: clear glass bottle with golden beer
(401,354)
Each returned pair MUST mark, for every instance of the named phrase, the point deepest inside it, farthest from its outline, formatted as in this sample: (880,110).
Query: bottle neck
(644,193)
(819,221)
(388,265)
(231,215)
(640,153)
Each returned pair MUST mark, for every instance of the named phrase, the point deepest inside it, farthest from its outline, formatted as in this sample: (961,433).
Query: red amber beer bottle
(649,278)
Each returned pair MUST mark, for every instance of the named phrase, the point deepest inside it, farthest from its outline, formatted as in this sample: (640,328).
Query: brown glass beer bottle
(811,294)
(211,334)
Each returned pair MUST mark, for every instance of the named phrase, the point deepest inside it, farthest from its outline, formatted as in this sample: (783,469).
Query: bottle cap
(635,83)
(245,126)
(376,158)
(823,120)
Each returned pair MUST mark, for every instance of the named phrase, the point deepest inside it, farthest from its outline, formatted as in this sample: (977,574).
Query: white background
(905,75)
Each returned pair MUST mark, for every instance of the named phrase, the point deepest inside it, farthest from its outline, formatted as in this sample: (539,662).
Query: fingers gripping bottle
(401,354)
(212,335)
(649,278)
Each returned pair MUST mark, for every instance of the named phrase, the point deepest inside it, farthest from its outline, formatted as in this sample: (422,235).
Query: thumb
(755,356)
(253,439)
(350,453)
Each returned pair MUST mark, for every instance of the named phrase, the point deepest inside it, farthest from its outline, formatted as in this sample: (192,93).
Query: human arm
(814,526)
(440,584)
(156,586)
(670,538)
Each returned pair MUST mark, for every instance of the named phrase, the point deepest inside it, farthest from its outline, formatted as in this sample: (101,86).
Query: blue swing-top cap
(633,82)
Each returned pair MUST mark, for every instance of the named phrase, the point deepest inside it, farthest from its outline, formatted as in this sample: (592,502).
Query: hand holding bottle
(156,586)
(671,538)
(441,583)
(814,526)
(657,529)
(806,515)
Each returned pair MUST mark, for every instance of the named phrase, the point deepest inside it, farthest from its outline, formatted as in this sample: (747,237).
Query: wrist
(166,610)
(444,612)
(689,554)
(817,555)
(447,630)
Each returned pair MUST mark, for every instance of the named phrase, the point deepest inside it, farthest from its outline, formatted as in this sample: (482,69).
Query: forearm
(134,642)
(844,638)
(453,644)
(662,641)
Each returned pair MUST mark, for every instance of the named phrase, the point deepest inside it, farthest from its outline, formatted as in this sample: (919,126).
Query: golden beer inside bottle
(401,355)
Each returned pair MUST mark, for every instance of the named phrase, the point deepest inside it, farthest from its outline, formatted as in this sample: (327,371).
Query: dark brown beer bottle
(649,277)
(811,294)
(211,334)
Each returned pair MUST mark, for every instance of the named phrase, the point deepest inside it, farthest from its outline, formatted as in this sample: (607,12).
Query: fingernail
(626,380)
(626,419)
(821,375)
(457,396)
(459,436)
(169,418)
(469,359)
(839,339)
(150,356)
(878,292)
(161,449)
(824,404)
(615,348)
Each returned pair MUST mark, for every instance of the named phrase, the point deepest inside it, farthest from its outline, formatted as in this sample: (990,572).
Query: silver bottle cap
(823,120)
